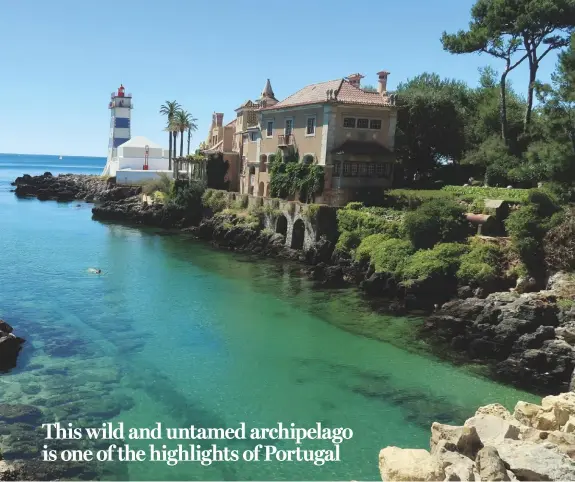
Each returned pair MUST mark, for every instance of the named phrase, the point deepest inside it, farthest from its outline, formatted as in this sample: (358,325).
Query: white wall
(138,176)
(122,111)
(136,163)
(155,152)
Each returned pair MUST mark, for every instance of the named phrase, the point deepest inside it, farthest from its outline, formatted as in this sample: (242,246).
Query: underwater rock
(10,346)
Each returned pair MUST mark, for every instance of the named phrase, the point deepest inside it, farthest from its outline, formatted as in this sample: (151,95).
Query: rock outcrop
(10,346)
(528,338)
(71,187)
(535,442)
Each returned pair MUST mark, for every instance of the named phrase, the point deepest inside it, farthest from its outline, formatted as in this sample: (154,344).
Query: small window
(253,136)
(310,131)
(349,122)
(375,124)
(363,169)
(336,168)
(380,169)
(362,123)
(354,168)
(371,169)
(270,129)
(288,127)
(346,168)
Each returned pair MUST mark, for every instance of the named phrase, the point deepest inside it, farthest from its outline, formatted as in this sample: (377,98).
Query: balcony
(285,140)
(115,95)
(119,104)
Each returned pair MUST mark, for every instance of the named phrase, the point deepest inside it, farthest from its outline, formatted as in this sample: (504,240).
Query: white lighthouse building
(131,160)
(120,119)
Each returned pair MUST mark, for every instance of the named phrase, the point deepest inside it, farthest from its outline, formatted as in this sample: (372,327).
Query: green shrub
(528,226)
(368,245)
(389,256)
(440,262)
(413,198)
(354,206)
(559,244)
(348,241)
(438,220)
(216,200)
(162,183)
(310,211)
(481,265)
(365,223)
(477,206)
(475,192)
(187,201)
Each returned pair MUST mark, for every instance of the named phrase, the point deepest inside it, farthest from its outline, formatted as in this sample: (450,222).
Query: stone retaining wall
(293,219)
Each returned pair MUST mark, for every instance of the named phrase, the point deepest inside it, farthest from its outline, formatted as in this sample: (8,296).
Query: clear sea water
(176,332)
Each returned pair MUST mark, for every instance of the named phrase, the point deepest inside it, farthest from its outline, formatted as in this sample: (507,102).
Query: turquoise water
(178,333)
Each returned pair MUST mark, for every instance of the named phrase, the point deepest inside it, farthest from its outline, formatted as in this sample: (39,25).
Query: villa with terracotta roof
(337,124)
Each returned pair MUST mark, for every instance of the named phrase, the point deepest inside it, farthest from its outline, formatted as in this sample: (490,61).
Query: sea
(176,333)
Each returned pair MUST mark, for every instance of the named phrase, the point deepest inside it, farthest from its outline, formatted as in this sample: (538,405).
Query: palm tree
(192,127)
(181,122)
(169,109)
(175,130)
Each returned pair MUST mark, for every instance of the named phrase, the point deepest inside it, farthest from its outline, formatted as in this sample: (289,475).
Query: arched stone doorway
(261,189)
(281,225)
(268,189)
(298,234)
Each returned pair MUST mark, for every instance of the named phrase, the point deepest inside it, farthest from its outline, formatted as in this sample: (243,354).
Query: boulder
(565,442)
(490,465)
(5,327)
(463,440)
(10,346)
(569,427)
(396,464)
(530,461)
(492,429)
(562,406)
(497,410)
(525,412)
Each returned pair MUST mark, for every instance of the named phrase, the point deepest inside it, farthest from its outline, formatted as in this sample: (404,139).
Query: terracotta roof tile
(312,94)
(346,94)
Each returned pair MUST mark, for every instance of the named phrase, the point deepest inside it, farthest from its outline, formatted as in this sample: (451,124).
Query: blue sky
(61,59)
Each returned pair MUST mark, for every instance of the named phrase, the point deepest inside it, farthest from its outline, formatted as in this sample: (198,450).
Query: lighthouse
(120,106)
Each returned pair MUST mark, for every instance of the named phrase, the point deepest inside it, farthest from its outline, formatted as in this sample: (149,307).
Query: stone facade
(301,224)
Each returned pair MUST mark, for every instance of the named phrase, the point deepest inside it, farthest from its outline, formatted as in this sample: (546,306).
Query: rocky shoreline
(535,442)
(527,340)
(70,187)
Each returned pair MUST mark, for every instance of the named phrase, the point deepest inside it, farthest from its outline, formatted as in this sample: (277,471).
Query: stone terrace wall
(292,218)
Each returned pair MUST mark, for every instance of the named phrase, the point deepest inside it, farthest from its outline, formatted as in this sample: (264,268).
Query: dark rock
(70,187)
(10,346)
(20,413)
(5,327)
(376,284)
(520,337)
(464,292)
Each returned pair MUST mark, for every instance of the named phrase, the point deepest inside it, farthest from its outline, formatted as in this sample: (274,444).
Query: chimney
(219,119)
(355,80)
(382,77)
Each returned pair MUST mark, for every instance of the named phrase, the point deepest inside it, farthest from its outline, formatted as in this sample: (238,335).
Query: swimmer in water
(94,270)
